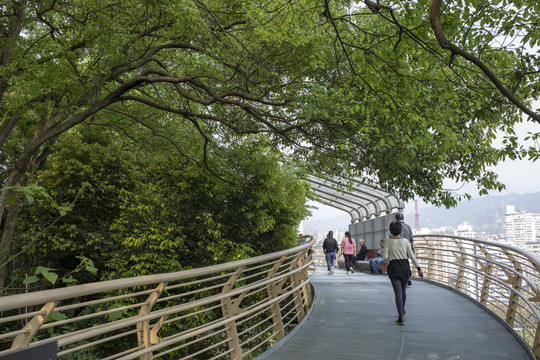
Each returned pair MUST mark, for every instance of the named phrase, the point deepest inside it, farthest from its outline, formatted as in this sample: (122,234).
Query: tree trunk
(7,237)
(13,32)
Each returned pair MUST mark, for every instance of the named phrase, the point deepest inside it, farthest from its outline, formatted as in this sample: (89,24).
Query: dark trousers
(349,261)
(399,286)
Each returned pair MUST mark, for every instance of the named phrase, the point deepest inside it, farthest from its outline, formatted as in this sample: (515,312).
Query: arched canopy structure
(361,200)
(370,207)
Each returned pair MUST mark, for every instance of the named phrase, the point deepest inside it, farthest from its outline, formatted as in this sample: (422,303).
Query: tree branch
(454,50)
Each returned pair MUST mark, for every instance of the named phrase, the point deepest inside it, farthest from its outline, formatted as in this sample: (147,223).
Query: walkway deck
(354,315)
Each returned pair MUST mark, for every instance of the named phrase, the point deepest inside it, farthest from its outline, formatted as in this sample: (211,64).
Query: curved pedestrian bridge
(353,317)
(265,307)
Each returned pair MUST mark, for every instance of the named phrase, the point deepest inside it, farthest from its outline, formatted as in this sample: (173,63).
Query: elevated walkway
(353,318)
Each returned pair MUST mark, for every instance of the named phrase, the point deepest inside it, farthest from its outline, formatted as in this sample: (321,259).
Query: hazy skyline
(519,176)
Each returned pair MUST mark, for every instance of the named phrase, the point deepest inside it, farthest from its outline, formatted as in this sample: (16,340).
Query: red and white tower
(416,217)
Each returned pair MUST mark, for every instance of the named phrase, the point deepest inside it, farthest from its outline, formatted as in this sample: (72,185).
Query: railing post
(297,279)
(461,261)
(23,340)
(430,251)
(486,284)
(228,309)
(536,344)
(487,268)
(273,292)
(144,332)
(306,290)
(513,300)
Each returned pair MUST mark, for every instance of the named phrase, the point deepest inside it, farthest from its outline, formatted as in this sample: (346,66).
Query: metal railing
(503,278)
(230,311)
(238,310)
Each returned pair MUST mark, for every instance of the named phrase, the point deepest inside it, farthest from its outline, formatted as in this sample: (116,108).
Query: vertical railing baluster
(487,272)
(143,333)
(306,290)
(296,279)
(430,255)
(516,282)
(461,261)
(23,340)
(536,344)
(228,310)
(273,292)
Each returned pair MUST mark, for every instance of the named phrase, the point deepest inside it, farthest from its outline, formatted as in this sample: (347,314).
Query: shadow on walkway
(353,318)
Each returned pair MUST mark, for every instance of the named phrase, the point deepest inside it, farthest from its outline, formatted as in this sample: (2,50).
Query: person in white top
(397,251)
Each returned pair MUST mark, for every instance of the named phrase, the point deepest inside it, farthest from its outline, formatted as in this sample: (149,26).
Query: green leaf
(70,280)
(57,316)
(29,198)
(91,269)
(50,276)
(41,270)
(30,280)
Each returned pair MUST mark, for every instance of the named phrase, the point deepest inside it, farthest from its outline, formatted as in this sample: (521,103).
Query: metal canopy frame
(361,200)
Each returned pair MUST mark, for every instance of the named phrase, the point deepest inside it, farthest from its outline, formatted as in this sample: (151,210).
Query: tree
(436,113)
(68,62)
(139,213)
(357,90)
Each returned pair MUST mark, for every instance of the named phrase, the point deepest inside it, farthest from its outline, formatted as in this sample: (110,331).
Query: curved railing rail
(230,311)
(503,278)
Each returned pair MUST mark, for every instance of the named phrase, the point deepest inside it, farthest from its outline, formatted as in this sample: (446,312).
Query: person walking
(406,232)
(330,248)
(348,249)
(397,251)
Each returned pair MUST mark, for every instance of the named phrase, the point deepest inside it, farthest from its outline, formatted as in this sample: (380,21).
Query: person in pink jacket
(348,249)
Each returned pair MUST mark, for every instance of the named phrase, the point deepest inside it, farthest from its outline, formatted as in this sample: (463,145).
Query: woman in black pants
(397,251)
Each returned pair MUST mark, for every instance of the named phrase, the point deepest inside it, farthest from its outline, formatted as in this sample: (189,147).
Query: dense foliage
(406,94)
(135,215)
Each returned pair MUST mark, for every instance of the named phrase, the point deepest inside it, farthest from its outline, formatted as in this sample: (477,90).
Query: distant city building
(465,230)
(534,248)
(521,228)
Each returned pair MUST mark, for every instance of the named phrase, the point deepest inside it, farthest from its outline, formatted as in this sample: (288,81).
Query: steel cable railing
(235,310)
(503,278)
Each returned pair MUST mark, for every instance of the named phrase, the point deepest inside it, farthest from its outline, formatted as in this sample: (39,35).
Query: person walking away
(375,263)
(397,251)
(406,232)
(330,248)
(348,249)
(362,252)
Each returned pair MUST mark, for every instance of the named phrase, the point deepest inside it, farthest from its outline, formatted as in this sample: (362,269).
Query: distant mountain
(486,214)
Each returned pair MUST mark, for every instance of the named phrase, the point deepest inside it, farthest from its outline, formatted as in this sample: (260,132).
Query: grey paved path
(354,317)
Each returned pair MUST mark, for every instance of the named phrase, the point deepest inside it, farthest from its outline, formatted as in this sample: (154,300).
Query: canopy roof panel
(361,200)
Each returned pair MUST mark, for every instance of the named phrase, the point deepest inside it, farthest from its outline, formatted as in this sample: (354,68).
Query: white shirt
(398,248)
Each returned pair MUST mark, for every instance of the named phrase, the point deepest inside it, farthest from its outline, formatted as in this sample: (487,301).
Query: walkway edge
(521,342)
(265,355)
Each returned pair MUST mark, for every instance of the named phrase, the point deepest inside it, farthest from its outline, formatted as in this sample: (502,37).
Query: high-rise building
(521,228)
